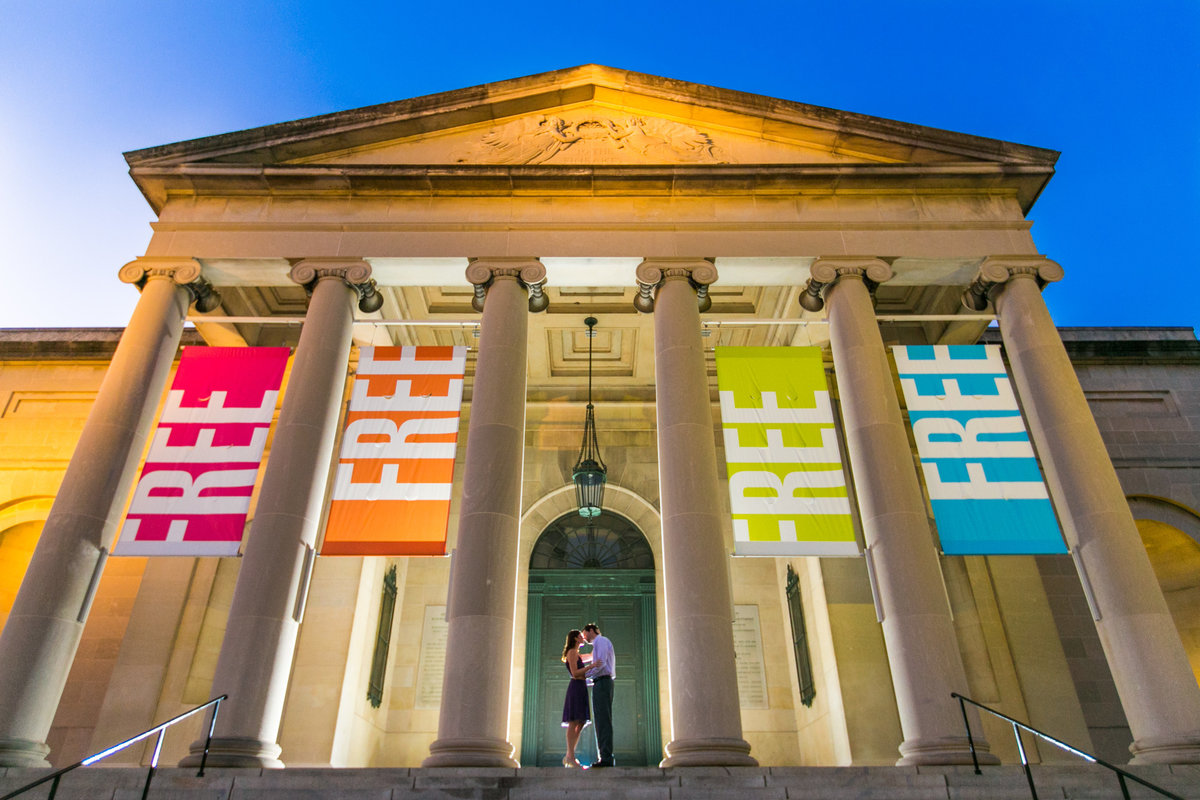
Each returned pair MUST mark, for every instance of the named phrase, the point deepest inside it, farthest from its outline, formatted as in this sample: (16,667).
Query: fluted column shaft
(473,722)
(705,714)
(268,602)
(917,626)
(1149,665)
(43,631)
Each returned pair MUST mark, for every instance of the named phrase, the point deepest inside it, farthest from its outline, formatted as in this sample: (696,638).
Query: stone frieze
(592,139)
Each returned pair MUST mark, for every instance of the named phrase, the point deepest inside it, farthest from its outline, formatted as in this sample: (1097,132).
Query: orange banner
(391,493)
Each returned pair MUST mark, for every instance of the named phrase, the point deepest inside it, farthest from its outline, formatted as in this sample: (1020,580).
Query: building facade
(683,218)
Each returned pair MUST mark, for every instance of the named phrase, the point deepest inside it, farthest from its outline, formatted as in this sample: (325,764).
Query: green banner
(787,486)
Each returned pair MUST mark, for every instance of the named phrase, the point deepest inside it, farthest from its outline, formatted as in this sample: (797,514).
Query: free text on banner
(391,492)
(983,480)
(787,488)
(194,491)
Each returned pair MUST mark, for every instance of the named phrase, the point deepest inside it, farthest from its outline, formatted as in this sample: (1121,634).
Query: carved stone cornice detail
(827,271)
(997,270)
(529,272)
(654,272)
(355,273)
(184,272)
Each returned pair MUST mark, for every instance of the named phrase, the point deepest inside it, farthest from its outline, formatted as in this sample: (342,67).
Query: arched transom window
(608,541)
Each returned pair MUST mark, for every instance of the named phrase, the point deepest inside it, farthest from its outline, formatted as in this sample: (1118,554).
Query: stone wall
(155,630)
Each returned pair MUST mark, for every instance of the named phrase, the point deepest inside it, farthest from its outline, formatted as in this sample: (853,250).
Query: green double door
(621,603)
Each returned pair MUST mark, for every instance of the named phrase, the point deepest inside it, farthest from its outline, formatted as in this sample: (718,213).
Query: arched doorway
(599,570)
(16,550)
(1171,535)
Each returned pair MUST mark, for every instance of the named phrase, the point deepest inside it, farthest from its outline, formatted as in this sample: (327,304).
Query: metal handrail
(1020,726)
(159,729)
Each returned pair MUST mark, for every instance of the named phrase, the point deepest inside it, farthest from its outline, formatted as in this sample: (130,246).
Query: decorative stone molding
(1165,749)
(529,272)
(996,270)
(186,273)
(24,753)
(653,272)
(827,271)
(355,274)
(586,138)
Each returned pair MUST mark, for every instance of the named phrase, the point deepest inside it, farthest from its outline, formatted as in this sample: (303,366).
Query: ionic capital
(186,272)
(827,271)
(355,273)
(654,272)
(997,270)
(529,272)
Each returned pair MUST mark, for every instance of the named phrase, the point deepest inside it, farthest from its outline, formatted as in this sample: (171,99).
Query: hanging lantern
(590,473)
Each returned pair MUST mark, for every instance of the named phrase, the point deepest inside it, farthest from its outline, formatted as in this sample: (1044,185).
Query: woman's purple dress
(575,707)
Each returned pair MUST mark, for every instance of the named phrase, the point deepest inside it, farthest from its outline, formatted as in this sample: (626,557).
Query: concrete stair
(634,783)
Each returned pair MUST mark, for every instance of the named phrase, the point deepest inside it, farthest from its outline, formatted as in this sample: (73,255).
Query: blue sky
(1114,86)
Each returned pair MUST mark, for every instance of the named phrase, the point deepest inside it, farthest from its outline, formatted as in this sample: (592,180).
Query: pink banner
(194,491)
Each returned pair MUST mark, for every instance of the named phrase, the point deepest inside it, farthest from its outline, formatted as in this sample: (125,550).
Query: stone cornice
(158,183)
(70,344)
(1118,351)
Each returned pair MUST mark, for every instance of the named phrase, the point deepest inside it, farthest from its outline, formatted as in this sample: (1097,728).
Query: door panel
(619,619)
(618,608)
(559,615)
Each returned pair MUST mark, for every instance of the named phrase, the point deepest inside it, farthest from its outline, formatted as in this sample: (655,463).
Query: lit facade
(683,218)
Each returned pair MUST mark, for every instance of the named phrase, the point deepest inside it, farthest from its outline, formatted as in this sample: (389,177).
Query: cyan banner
(983,479)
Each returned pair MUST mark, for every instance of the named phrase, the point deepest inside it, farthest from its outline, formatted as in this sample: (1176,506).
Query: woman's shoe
(569,762)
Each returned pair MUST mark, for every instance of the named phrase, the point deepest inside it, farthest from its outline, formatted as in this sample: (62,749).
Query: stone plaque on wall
(432,663)
(747,644)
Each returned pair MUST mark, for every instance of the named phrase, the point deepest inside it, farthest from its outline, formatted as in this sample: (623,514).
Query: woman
(576,714)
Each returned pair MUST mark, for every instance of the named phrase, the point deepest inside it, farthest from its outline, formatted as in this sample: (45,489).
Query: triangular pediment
(596,134)
(590,115)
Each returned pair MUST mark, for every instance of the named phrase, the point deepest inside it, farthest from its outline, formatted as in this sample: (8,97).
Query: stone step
(622,783)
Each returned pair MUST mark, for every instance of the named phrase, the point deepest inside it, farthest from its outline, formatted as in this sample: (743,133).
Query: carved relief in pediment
(594,139)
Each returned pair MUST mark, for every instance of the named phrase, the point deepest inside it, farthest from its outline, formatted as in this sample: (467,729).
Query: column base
(234,751)
(708,753)
(1167,750)
(944,751)
(23,753)
(470,753)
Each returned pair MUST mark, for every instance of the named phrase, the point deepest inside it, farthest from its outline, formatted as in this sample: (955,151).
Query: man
(602,671)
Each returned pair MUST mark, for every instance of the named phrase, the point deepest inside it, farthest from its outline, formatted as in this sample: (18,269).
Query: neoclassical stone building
(683,218)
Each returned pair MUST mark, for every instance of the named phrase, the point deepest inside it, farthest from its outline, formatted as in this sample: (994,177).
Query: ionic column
(1149,665)
(705,713)
(268,602)
(47,619)
(918,629)
(473,725)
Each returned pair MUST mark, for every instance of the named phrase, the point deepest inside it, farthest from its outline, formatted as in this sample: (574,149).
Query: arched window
(608,541)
